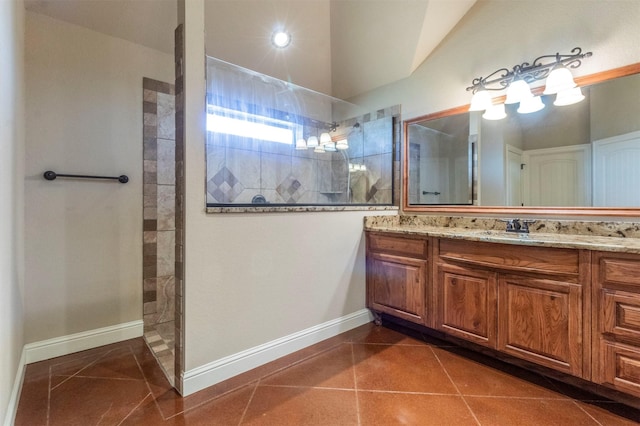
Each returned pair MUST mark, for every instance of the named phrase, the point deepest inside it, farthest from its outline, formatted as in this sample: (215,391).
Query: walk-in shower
(271,142)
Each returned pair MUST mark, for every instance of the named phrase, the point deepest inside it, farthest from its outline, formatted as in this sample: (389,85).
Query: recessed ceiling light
(281,39)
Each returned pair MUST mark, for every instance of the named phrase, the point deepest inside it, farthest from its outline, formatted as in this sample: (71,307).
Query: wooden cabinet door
(396,286)
(620,367)
(540,320)
(467,303)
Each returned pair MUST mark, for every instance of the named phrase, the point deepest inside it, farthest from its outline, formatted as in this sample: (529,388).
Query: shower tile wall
(179,222)
(239,169)
(159,218)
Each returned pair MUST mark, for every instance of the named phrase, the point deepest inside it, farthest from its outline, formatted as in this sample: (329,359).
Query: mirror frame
(507,210)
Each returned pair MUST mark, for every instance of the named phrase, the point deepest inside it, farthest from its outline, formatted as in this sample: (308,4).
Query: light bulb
(480,101)
(281,39)
(559,79)
(518,91)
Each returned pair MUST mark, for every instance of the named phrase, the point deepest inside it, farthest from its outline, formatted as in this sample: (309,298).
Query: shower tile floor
(367,376)
(161,340)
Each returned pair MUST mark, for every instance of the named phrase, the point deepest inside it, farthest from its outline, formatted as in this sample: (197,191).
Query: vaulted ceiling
(339,47)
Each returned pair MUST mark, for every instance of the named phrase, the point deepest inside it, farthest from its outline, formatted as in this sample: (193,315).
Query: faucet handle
(526,223)
(512,224)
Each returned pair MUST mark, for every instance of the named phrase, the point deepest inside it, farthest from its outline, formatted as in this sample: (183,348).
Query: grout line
(586,412)
(85,367)
(308,387)
(355,383)
(126,379)
(246,408)
(136,407)
(408,392)
(300,361)
(149,386)
(455,386)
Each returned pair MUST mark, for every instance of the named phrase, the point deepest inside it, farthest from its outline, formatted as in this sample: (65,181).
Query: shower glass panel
(271,142)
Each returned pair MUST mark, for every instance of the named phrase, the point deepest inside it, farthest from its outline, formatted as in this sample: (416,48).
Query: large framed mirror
(580,159)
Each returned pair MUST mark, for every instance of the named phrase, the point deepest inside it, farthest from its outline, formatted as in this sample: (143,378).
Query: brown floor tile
(474,378)
(225,410)
(535,412)
(295,406)
(331,369)
(611,414)
(114,364)
(399,379)
(388,336)
(34,402)
(383,408)
(404,368)
(84,401)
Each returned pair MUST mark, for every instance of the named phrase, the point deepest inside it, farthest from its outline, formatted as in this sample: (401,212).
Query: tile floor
(367,376)
(161,340)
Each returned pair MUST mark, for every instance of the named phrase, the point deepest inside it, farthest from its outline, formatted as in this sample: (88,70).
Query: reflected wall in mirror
(575,159)
(440,154)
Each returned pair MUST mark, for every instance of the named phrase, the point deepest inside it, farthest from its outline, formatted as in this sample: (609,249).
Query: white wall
(254,278)
(12,196)
(83,251)
(496,34)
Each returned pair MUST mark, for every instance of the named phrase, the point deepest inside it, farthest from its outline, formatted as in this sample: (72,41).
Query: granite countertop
(603,236)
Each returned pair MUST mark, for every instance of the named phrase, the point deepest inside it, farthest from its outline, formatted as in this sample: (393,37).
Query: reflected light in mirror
(569,97)
(530,105)
(495,112)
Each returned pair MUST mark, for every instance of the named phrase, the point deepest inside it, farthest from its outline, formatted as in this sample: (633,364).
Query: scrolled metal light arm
(539,69)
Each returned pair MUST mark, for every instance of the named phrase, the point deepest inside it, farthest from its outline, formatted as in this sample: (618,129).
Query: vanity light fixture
(553,68)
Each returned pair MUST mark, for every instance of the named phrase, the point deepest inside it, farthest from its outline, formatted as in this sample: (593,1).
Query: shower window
(261,137)
(237,123)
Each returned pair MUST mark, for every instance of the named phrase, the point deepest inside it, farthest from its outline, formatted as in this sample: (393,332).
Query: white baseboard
(14,398)
(225,368)
(47,349)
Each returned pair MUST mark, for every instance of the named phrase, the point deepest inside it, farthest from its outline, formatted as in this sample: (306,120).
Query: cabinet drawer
(414,247)
(513,258)
(621,367)
(620,313)
(620,269)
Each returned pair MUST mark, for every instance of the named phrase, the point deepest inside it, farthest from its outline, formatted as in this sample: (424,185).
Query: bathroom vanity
(561,299)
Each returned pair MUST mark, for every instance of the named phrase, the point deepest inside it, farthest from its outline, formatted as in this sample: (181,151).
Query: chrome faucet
(515,225)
